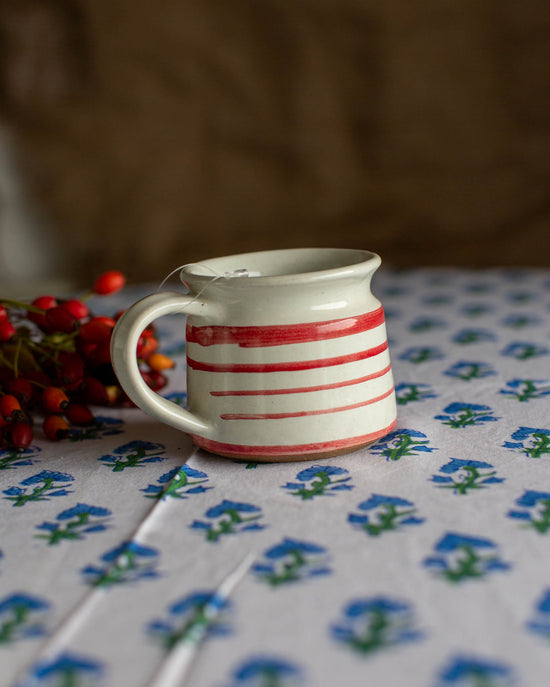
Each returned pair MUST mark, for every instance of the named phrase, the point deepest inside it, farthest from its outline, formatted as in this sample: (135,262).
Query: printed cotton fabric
(423,560)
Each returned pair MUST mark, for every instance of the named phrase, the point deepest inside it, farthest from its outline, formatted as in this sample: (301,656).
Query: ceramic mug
(287,354)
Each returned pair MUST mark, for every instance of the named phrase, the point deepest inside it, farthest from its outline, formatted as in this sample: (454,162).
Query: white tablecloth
(128,558)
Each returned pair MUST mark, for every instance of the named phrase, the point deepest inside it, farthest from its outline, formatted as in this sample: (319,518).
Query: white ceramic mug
(287,354)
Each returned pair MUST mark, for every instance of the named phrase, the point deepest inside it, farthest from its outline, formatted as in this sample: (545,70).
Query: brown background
(156,133)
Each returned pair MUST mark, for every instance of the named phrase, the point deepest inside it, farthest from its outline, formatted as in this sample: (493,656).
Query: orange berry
(9,407)
(160,362)
(55,427)
(54,399)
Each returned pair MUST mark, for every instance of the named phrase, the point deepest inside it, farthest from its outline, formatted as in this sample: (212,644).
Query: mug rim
(364,265)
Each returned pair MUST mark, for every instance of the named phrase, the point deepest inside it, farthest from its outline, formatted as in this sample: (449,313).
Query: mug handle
(123,356)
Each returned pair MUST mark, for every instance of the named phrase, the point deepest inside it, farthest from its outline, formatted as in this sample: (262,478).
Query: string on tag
(242,272)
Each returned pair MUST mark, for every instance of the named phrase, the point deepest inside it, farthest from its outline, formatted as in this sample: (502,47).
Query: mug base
(293,458)
(276,454)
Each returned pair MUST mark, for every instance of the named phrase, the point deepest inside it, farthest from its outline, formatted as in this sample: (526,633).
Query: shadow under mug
(287,354)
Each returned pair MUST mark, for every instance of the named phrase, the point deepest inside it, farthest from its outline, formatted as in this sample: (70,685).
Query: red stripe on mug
(233,450)
(304,413)
(278,335)
(302,389)
(291,366)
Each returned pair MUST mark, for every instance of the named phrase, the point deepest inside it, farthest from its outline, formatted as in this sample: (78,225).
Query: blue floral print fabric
(422,560)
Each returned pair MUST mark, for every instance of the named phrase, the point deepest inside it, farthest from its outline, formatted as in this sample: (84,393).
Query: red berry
(3,313)
(20,435)
(21,389)
(60,320)
(55,427)
(54,399)
(71,369)
(7,330)
(44,303)
(77,308)
(109,282)
(80,415)
(97,330)
(146,345)
(10,408)
(155,380)
(94,391)
(101,354)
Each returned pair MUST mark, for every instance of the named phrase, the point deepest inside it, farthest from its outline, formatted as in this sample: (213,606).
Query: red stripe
(301,389)
(291,366)
(303,413)
(277,335)
(294,450)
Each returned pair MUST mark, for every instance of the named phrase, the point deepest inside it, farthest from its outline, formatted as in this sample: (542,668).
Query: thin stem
(24,306)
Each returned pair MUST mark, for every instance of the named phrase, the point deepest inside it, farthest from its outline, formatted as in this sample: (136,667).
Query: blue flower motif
(534,442)
(323,479)
(264,670)
(179,397)
(129,547)
(540,622)
(21,617)
(426,324)
(526,389)
(138,445)
(134,454)
(227,519)
(469,474)
(524,350)
(407,393)
(438,299)
(464,557)
(388,513)
(188,618)
(520,320)
(47,484)
(402,442)
(534,510)
(371,624)
(20,600)
(477,309)
(471,336)
(461,414)
(478,287)
(466,370)
(178,483)
(292,561)
(128,562)
(83,509)
(64,669)
(469,671)
(522,296)
(227,506)
(102,427)
(11,458)
(82,519)
(421,354)
(47,475)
